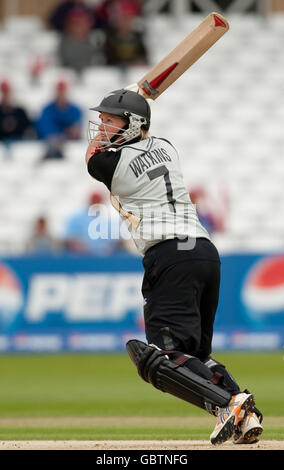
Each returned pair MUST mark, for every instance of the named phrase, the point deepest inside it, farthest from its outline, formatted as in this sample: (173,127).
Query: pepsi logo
(263,289)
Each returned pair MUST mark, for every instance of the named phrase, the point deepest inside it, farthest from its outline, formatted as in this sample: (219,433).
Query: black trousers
(181,293)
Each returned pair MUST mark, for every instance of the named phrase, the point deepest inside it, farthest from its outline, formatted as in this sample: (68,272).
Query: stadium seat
(56,172)
(74,152)
(51,75)
(9,45)
(45,45)
(23,211)
(26,152)
(19,25)
(102,79)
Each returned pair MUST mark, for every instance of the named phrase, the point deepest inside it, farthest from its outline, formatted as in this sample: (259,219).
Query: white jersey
(148,184)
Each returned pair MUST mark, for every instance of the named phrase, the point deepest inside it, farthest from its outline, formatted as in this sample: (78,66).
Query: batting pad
(154,367)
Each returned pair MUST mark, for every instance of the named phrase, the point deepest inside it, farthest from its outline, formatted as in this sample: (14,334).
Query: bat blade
(183,56)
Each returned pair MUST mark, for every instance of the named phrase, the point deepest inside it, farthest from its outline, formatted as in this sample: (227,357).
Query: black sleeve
(101,166)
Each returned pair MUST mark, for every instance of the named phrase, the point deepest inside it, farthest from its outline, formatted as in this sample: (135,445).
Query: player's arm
(93,148)
(101,164)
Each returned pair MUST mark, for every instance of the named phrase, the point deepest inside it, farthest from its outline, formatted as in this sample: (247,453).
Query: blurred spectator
(107,11)
(211,219)
(58,16)
(59,121)
(14,121)
(104,14)
(79,46)
(41,241)
(91,232)
(124,44)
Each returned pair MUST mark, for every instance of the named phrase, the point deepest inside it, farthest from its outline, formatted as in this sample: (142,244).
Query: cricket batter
(182,266)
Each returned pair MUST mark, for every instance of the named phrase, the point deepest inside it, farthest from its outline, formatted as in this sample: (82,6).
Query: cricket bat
(183,56)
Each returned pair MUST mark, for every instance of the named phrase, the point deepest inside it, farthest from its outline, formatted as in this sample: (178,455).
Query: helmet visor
(104,134)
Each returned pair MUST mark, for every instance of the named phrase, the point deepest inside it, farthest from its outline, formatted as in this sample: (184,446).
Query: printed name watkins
(146,160)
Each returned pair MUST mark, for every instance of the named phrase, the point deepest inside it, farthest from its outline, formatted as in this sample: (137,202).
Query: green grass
(98,432)
(108,385)
(104,433)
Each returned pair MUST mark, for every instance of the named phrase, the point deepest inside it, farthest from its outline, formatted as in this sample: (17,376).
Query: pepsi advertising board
(73,303)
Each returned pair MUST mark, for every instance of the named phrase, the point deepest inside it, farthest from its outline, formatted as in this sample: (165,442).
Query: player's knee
(193,384)
(146,359)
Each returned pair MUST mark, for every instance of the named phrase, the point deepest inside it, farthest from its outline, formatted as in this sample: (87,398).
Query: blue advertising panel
(251,309)
(73,303)
(95,304)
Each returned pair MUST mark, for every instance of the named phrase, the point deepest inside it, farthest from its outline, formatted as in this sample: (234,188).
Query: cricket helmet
(129,105)
(125,103)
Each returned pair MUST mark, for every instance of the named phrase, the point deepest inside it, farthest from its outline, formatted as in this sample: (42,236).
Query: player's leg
(247,424)
(155,367)
(208,305)
(206,277)
(173,322)
(171,311)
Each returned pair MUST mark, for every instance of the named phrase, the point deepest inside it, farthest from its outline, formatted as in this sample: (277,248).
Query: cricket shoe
(249,429)
(228,418)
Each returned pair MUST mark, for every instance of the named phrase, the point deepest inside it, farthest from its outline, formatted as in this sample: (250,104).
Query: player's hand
(93,147)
